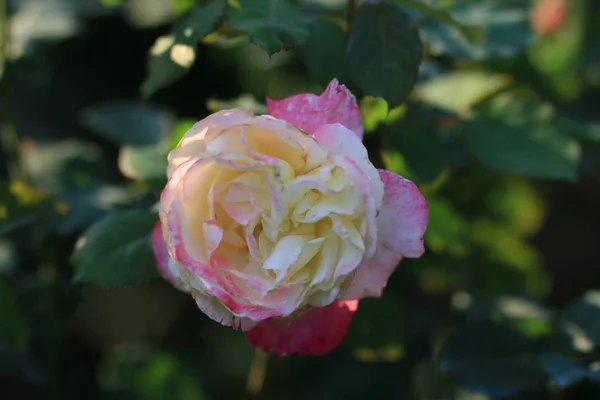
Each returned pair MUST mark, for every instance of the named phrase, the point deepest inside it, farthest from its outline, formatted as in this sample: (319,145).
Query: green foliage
(508,136)
(116,250)
(172,55)
(271,24)
(388,314)
(142,374)
(492,359)
(384,51)
(493,117)
(128,123)
(505,26)
(14,329)
(324,52)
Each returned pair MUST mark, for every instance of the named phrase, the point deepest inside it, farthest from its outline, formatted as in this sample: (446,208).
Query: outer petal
(372,274)
(309,112)
(192,143)
(403,217)
(165,265)
(319,331)
(401,224)
(219,313)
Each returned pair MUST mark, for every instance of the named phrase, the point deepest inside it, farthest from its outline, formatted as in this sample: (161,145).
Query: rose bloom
(278,224)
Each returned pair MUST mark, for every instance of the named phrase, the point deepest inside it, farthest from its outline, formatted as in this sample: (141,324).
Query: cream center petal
(266,144)
(280,220)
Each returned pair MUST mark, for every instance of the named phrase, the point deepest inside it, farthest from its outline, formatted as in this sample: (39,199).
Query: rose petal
(319,331)
(336,140)
(401,224)
(192,143)
(165,265)
(309,112)
(372,274)
(403,217)
(219,313)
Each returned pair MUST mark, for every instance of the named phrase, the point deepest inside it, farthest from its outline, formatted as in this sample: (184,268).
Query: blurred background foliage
(493,115)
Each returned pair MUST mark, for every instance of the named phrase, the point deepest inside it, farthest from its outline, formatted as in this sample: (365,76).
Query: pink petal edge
(401,224)
(309,111)
(317,332)
(403,217)
(372,274)
(163,260)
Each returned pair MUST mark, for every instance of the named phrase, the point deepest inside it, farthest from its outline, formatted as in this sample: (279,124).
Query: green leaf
(324,52)
(172,55)
(565,372)
(381,329)
(180,129)
(13,327)
(384,51)
(517,205)
(492,359)
(508,135)
(446,232)
(129,123)
(460,90)
(374,111)
(472,34)
(418,138)
(87,205)
(581,322)
(21,204)
(505,26)
(140,374)
(116,250)
(273,25)
(147,163)
(511,263)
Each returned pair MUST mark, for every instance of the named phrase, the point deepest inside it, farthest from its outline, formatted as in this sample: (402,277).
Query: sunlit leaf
(172,55)
(374,111)
(458,91)
(180,129)
(148,163)
(384,51)
(116,250)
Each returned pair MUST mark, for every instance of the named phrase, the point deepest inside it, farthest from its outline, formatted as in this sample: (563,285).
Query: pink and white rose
(279,223)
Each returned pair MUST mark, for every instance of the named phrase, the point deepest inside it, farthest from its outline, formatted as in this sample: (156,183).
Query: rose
(279,223)
(548,16)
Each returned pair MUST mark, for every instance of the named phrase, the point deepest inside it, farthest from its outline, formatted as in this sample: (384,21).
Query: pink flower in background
(279,223)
